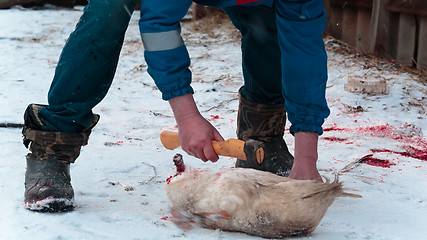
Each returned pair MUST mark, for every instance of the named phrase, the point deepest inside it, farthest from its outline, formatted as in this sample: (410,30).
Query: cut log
(371,86)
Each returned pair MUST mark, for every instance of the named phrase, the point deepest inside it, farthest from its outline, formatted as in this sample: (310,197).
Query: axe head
(254,151)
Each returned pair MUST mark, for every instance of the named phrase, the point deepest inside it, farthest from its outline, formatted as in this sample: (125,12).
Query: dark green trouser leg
(47,178)
(87,65)
(260,53)
(55,133)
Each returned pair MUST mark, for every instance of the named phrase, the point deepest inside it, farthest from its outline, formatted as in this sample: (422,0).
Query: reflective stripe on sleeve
(162,40)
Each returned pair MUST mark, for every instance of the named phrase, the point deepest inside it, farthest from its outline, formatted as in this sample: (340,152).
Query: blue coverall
(285,30)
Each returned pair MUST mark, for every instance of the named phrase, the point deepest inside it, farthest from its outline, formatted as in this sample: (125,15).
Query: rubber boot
(47,178)
(265,123)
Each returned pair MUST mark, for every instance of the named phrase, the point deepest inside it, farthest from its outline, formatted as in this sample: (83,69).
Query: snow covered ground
(125,147)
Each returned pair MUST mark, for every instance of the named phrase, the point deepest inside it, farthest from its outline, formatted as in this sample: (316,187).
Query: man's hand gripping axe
(251,151)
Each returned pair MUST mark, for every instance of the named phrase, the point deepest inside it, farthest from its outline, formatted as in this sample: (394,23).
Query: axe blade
(254,151)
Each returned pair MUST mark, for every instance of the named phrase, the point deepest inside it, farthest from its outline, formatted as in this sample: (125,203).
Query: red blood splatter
(220,173)
(410,152)
(334,128)
(164,218)
(214,117)
(393,133)
(417,153)
(380,131)
(225,214)
(376,162)
(168,180)
(334,139)
(387,151)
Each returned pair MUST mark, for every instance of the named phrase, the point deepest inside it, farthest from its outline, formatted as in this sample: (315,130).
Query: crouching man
(284,68)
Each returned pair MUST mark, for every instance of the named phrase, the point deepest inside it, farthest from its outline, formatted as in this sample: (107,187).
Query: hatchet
(251,150)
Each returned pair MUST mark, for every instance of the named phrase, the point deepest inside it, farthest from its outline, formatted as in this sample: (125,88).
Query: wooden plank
(406,39)
(349,32)
(363,31)
(336,22)
(327,6)
(383,27)
(373,25)
(393,35)
(422,44)
(359,4)
(412,7)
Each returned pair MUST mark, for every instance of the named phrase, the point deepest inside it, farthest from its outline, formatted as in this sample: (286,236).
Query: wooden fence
(392,29)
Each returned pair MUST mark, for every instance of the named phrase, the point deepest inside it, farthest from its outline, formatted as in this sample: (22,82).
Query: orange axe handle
(230,148)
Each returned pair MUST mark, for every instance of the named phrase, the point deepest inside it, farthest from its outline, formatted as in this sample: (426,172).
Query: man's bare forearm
(195,132)
(305,167)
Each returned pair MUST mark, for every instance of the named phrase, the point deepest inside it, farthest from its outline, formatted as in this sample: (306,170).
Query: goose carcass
(250,201)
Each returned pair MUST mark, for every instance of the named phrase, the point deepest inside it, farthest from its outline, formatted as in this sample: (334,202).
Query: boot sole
(51,205)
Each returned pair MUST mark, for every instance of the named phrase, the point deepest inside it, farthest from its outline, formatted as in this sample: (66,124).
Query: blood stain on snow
(335,128)
(391,132)
(214,117)
(410,152)
(164,218)
(376,162)
(334,139)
